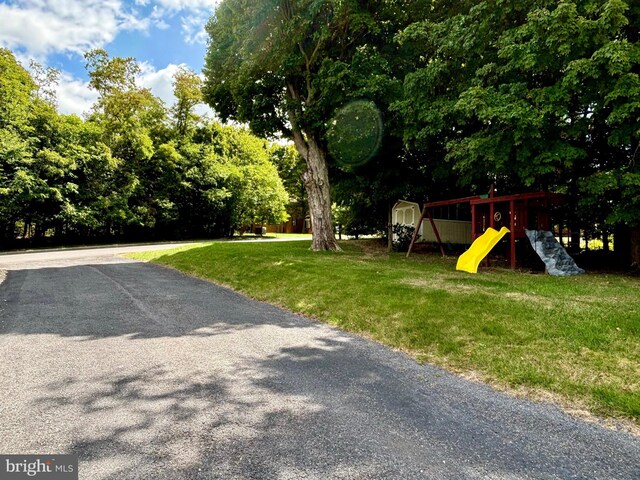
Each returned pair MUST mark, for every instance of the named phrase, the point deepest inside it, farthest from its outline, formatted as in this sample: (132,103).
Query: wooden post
(512,236)
(492,221)
(435,230)
(473,222)
(416,232)
(390,228)
(492,213)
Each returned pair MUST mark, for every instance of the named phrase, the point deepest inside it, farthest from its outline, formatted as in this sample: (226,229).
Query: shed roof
(400,203)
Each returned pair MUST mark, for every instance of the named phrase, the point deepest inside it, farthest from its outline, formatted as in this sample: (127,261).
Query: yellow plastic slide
(480,248)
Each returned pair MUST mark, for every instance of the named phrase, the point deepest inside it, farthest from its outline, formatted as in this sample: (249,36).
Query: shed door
(408,216)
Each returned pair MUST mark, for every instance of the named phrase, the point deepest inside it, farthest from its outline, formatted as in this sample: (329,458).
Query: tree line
(528,95)
(132,168)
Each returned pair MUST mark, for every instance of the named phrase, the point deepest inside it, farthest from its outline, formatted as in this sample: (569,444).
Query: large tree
(287,66)
(16,98)
(127,169)
(134,124)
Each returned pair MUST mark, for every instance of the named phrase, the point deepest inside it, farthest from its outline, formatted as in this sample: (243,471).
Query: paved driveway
(146,373)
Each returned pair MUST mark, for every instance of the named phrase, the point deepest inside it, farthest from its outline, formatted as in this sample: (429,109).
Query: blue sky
(160,34)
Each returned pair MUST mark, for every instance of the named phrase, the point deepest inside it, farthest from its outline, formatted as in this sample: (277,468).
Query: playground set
(522,216)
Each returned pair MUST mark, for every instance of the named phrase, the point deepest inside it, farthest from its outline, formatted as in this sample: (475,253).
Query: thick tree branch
(296,132)
(307,71)
(300,141)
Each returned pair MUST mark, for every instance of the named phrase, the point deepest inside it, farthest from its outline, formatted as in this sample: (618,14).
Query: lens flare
(355,134)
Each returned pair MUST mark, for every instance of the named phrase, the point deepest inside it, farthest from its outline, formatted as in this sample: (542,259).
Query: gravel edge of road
(3,275)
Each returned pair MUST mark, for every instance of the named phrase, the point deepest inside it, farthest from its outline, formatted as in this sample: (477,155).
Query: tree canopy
(536,94)
(381,100)
(286,67)
(132,168)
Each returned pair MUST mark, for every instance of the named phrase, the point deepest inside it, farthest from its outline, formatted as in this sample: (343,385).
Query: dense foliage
(383,100)
(539,94)
(131,169)
(536,94)
(285,67)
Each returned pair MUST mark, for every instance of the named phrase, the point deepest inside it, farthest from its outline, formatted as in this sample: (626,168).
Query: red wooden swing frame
(520,206)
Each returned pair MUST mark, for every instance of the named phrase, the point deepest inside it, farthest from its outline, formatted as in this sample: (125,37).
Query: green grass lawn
(573,340)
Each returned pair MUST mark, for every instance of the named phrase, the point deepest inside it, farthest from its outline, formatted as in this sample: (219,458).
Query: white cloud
(42,27)
(161,24)
(131,21)
(205,110)
(178,5)
(45,26)
(74,96)
(195,14)
(193,29)
(160,82)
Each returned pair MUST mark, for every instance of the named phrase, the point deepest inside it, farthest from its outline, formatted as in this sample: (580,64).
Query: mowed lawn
(573,340)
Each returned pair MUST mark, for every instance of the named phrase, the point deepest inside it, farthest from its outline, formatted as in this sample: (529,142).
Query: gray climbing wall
(554,256)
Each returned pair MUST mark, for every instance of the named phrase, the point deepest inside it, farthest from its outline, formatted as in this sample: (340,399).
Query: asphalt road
(148,374)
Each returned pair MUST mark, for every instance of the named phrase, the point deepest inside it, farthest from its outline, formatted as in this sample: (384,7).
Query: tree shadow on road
(333,408)
(253,419)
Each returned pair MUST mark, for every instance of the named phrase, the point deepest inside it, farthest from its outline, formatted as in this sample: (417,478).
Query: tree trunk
(319,196)
(622,244)
(574,238)
(316,180)
(635,247)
